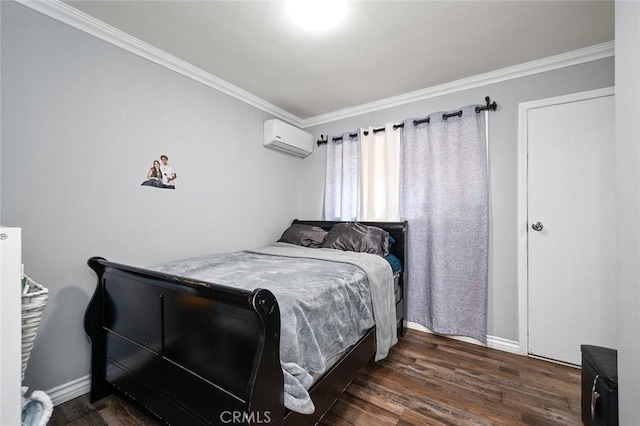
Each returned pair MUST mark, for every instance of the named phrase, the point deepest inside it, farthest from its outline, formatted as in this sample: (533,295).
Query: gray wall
(628,203)
(503,151)
(82,122)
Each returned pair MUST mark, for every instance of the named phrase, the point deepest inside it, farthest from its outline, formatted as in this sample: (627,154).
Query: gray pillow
(303,235)
(353,236)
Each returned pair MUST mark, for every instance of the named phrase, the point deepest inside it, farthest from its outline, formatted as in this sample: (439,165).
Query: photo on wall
(161,174)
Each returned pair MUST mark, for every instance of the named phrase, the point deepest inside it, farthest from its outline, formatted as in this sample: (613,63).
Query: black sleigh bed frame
(199,353)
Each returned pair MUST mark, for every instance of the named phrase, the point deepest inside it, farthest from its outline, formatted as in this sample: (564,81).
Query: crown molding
(73,17)
(66,14)
(588,54)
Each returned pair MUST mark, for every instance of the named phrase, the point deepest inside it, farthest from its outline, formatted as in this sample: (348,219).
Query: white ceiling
(382,49)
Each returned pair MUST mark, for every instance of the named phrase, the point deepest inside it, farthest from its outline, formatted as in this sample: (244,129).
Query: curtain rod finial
(491,106)
(323,139)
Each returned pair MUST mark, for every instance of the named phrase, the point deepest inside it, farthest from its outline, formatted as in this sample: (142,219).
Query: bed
(196,352)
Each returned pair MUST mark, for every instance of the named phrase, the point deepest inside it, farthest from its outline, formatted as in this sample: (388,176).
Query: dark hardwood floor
(426,380)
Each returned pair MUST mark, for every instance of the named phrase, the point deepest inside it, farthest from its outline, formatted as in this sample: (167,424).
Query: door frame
(523,199)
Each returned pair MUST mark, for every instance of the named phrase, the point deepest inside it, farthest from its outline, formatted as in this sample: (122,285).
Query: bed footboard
(147,331)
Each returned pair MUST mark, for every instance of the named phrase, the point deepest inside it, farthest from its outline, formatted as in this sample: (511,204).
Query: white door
(571,224)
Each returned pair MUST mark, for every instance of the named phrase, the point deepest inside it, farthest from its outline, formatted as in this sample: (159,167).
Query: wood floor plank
(413,418)
(378,394)
(425,380)
(453,388)
(351,410)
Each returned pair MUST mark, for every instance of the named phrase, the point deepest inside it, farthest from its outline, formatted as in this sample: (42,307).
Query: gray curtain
(444,197)
(341,189)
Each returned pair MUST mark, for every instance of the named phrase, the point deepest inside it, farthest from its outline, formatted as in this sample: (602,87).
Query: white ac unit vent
(286,138)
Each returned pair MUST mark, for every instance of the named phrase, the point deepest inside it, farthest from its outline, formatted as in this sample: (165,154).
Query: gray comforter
(327,299)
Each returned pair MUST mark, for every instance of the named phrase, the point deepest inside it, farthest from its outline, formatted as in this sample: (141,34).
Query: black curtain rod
(490,106)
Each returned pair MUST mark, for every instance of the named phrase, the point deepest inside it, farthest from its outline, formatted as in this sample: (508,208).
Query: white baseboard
(493,342)
(68,391)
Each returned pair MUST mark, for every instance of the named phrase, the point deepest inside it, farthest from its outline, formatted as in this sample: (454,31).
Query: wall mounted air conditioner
(286,138)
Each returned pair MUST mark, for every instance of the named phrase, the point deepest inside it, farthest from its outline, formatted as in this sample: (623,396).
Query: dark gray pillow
(303,235)
(353,236)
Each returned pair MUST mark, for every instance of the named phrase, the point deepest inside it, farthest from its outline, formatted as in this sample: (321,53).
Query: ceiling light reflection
(317,16)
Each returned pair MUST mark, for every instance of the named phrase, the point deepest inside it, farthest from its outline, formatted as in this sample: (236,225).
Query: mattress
(326,305)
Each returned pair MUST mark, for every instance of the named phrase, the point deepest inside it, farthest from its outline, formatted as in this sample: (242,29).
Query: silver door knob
(537,226)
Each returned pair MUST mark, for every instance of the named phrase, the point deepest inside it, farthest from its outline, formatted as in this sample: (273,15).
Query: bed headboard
(398,230)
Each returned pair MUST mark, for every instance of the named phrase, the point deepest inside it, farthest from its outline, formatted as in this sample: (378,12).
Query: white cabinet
(10,325)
